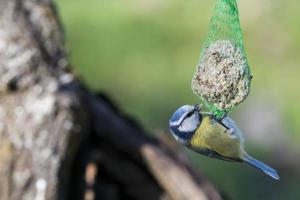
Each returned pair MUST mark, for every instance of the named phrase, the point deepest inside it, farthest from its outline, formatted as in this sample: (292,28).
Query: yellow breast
(214,136)
(198,139)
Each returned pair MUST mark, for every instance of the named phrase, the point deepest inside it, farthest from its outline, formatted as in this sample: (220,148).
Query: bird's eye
(190,114)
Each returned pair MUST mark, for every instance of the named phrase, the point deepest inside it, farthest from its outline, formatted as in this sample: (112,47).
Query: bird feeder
(222,78)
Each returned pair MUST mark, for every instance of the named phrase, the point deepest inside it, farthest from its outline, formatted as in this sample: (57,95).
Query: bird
(215,138)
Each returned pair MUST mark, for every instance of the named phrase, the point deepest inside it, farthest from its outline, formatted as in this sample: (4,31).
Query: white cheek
(189,125)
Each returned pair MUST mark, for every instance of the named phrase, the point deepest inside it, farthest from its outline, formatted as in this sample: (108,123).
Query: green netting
(225,24)
(222,78)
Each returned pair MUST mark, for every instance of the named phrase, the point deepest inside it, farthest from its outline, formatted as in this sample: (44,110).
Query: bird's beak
(197,107)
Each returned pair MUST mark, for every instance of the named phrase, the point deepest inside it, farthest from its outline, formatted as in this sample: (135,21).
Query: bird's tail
(261,166)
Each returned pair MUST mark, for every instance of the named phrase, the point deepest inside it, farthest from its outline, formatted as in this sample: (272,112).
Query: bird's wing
(233,129)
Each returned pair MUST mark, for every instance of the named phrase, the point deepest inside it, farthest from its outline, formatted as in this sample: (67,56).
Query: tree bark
(58,140)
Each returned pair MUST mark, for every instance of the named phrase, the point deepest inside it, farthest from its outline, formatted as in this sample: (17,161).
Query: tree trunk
(59,141)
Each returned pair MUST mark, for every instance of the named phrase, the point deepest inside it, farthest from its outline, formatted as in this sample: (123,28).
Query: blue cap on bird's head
(185,121)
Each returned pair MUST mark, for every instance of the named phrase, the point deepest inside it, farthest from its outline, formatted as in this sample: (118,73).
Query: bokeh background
(143,54)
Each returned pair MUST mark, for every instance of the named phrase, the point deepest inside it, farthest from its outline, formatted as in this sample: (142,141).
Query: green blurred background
(143,54)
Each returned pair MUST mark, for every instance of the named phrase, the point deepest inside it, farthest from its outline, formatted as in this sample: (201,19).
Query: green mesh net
(222,78)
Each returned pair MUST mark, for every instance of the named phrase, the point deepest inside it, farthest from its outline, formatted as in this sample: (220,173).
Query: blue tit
(220,139)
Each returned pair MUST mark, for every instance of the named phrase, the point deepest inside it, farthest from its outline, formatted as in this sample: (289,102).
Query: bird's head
(185,121)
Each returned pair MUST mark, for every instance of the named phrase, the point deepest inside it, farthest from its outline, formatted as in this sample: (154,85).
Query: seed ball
(222,78)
